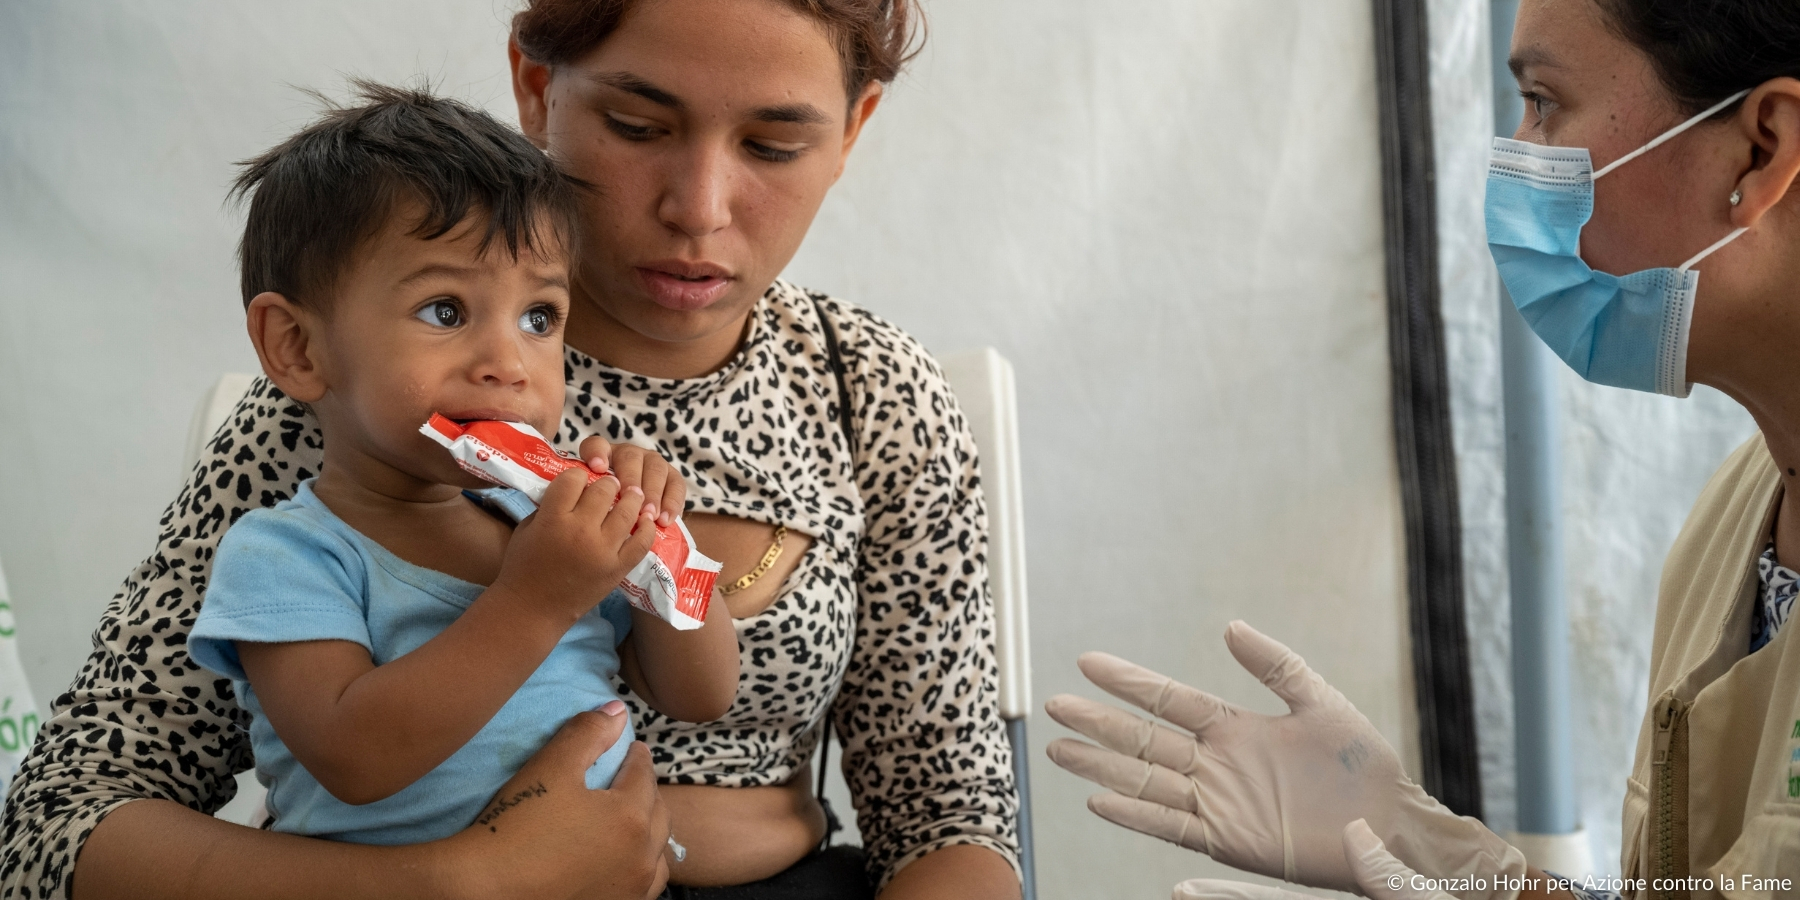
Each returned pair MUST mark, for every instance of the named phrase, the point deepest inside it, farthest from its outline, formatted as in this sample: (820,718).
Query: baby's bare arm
(367,731)
(686,675)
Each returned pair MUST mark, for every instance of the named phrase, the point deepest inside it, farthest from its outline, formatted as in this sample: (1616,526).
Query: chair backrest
(983,382)
(215,407)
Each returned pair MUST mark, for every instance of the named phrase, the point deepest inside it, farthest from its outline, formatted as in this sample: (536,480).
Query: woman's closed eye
(442,312)
(631,128)
(773,151)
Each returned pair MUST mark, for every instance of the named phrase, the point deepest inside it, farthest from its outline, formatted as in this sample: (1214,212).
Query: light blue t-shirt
(299,573)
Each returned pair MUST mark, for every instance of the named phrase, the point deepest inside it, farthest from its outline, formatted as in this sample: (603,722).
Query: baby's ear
(284,334)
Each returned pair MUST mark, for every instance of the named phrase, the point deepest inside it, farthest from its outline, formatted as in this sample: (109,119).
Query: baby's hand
(645,469)
(579,544)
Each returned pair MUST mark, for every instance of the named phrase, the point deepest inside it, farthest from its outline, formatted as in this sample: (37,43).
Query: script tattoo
(505,803)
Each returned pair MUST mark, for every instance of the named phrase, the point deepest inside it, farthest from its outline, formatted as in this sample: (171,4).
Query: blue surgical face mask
(1630,331)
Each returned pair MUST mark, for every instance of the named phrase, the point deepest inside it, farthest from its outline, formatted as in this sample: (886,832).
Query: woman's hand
(1268,794)
(547,835)
(665,492)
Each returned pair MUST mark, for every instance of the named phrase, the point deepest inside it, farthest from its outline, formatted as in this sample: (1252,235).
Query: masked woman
(1646,223)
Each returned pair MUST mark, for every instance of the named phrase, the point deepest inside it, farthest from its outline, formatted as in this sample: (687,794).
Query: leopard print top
(885,630)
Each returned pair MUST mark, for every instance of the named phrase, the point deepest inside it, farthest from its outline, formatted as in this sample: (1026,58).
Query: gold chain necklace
(762,568)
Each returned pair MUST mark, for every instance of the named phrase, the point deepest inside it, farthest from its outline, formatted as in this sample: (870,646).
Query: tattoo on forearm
(505,803)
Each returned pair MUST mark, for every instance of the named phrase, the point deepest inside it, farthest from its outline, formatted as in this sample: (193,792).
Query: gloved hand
(1378,874)
(1268,794)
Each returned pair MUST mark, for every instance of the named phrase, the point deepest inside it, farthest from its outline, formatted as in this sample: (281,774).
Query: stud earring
(1737,197)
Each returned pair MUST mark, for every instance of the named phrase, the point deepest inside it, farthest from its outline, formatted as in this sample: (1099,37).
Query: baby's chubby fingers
(627,463)
(564,493)
(665,494)
(629,524)
(596,451)
(654,475)
(674,498)
(598,497)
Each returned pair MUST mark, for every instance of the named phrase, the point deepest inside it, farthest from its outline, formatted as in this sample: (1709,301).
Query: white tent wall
(1166,213)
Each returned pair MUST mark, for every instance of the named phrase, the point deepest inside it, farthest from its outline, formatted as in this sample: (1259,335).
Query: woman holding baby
(824,462)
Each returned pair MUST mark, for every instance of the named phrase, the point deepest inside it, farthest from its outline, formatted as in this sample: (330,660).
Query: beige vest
(1715,790)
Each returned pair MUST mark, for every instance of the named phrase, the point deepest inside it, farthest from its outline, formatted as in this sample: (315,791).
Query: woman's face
(711,130)
(1585,86)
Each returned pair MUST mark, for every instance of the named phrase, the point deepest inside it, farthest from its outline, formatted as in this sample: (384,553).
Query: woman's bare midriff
(740,835)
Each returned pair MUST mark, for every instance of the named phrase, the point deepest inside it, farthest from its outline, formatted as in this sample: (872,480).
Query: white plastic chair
(214,408)
(983,382)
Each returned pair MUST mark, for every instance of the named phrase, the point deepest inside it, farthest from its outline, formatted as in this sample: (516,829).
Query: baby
(404,635)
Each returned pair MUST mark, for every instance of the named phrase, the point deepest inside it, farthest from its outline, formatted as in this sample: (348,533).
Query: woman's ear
(860,111)
(531,89)
(283,334)
(1771,118)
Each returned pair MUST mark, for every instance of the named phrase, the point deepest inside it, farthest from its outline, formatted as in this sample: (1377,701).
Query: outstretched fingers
(1279,668)
(1183,829)
(1126,775)
(1125,733)
(1155,693)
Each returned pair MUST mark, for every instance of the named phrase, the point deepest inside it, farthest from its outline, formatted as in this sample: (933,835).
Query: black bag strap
(846,421)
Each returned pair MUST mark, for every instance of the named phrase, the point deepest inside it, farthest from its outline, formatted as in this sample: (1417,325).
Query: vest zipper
(1669,796)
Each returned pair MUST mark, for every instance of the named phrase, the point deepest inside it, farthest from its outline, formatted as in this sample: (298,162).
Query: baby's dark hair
(319,195)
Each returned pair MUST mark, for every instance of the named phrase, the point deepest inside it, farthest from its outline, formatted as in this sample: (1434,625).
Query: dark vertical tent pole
(1421,389)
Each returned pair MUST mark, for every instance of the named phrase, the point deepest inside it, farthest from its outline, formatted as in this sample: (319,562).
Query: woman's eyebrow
(1528,57)
(791,113)
(632,84)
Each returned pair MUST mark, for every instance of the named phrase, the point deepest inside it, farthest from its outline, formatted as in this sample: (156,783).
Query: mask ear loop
(1713,249)
(1670,135)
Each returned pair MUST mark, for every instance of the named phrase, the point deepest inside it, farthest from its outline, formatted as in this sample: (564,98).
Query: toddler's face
(419,326)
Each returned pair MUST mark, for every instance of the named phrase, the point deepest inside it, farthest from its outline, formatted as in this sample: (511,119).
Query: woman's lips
(683,286)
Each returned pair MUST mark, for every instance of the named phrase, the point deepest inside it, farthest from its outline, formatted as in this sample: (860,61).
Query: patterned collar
(1780,584)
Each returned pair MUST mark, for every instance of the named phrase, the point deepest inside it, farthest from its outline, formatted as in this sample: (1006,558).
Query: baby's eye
(442,313)
(537,320)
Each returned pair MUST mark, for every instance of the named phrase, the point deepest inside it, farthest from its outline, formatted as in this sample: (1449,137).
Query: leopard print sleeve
(918,711)
(141,721)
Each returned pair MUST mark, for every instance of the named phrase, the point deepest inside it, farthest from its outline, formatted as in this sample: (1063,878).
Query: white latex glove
(1268,794)
(1378,875)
